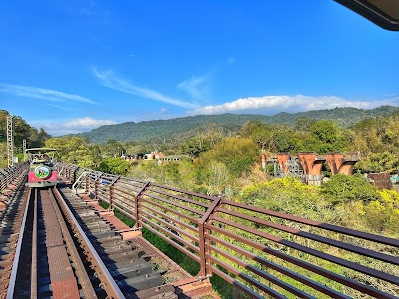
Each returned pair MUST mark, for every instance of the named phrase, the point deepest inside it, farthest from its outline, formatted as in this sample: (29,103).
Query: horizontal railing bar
(126,191)
(179,197)
(360,250)
(306,265)
(123,197)
(169,210)
(169,218)
(174,204)
(237,284)
(211,198)
(315,285)
(331,227)
(246,277)
(127,214)
(177,246)
(179,230)
(156,204)
(126,209)
(261,273)
(172,236)
(340,261)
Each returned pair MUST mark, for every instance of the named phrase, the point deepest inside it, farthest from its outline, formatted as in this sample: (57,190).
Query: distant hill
(160,129)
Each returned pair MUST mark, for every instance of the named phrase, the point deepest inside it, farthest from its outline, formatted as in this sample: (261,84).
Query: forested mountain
(169,129)
(22,130)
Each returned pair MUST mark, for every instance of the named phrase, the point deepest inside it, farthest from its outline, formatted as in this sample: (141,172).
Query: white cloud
(197,87)
(71,126)
(41,93)
(287,103)
(109,80)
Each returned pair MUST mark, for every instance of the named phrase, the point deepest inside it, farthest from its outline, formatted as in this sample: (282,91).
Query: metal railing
(262,252)
(8,175)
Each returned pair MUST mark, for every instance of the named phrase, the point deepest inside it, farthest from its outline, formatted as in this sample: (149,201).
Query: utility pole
(24,148)
(10,141)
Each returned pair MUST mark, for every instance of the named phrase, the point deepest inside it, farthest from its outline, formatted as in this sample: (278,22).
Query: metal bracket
(78,181)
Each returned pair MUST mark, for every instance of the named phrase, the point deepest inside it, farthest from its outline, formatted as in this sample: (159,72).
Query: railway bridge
(61,243)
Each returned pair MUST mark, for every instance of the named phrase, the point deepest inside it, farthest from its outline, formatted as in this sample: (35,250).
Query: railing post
(138,223)
(111,194)
(205,270)
(87,183)
(96,184)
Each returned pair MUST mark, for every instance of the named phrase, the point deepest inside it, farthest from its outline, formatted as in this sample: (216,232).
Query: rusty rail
(108,283)
(13,277)
(262,252)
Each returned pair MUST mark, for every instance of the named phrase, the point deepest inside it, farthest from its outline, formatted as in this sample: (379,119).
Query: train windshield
(41,155)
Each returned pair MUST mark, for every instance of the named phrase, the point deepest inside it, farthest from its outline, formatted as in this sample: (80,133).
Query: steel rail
(155,206)
(13,277)
(33,273)
(80,268)
(109,284)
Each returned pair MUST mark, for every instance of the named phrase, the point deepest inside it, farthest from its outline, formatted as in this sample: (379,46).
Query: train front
(41,170)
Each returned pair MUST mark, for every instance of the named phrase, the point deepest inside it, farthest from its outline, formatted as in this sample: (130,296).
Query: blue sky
(71,66)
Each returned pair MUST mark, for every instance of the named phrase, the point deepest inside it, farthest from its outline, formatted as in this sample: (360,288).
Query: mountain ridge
(172,128)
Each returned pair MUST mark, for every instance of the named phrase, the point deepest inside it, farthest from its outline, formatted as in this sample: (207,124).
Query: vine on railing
(262,252)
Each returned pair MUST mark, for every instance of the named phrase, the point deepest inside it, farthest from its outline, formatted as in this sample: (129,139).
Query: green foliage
(156,132)
(348,188)
(73,150)
(288,195)
(324,136)
(22,130)
(303,123)
(194,146)
(115,166)
(383,213)
(238,154)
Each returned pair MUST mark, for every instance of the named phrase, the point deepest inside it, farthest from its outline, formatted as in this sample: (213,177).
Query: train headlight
(42,172)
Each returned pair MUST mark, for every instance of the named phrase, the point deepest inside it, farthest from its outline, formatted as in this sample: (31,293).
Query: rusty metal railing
(8,175)
(264,253)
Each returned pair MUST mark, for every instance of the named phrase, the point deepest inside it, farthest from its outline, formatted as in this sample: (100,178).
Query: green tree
(343,189)
(303,123)
(217,176)
(114,166)
(325,136)
(382,215)
(288,195)
(238,154)
(73,150)
(195,146)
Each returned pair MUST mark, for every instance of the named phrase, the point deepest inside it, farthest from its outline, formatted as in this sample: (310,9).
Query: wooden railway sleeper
(106,279)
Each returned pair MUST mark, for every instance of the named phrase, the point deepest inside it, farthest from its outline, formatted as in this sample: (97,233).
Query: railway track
(13,220)
(54,246)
